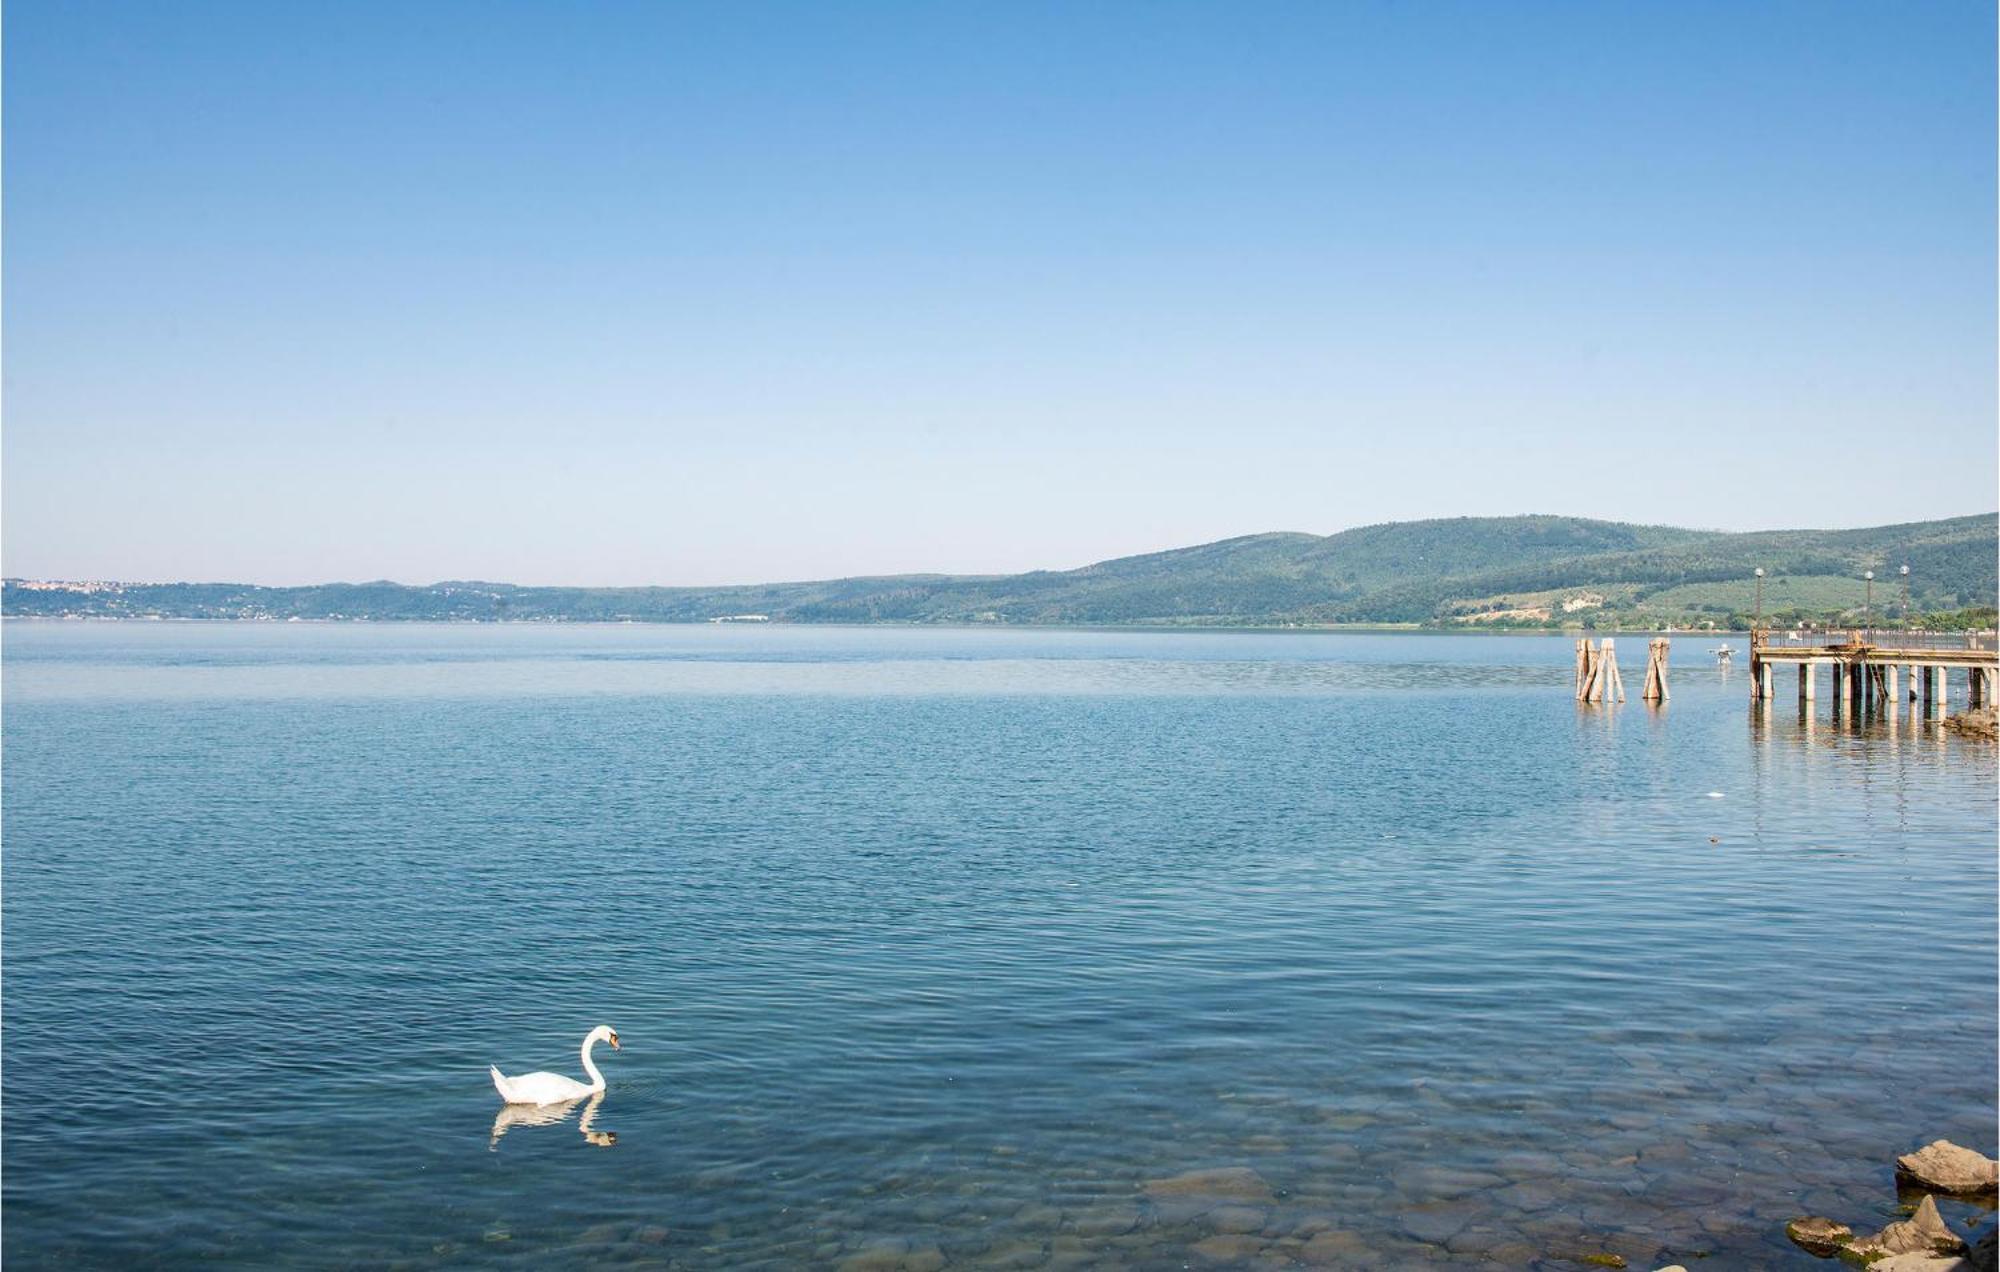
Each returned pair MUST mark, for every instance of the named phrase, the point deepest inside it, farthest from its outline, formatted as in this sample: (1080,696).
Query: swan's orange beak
(614,1042)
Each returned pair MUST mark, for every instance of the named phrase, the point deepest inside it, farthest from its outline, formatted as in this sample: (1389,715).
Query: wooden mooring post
(1656,670)
(1603,683)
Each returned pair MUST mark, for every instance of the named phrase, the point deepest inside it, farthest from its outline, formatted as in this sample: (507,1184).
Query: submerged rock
(1434,1182)
(1530,1196)
(1945,1167)
(1231,1182)
(1922,1233)
(1037,1214)
(1108,1220)
(1014,1253)
(1226,1249)
(881,1255)
(1236,1219)
(1332,1248)
(1438,1221)
(1820,1236)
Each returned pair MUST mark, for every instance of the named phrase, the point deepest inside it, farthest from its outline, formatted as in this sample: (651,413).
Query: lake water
(965,948)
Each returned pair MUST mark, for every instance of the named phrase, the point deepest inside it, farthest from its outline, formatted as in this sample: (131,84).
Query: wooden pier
(1875,672)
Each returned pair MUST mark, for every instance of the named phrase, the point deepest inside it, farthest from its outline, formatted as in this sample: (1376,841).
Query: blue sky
(658,293)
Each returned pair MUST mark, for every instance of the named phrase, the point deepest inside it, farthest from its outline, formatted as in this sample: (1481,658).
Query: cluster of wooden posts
(1597,678)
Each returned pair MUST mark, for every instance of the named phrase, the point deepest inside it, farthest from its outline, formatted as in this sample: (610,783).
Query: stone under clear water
(965,948)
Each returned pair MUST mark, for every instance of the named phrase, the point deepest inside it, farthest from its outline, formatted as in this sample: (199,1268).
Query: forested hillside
(1502,571)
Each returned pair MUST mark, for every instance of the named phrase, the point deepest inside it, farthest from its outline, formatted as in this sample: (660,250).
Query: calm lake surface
(963,948)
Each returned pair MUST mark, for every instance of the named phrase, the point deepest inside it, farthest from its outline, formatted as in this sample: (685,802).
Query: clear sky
(660,293)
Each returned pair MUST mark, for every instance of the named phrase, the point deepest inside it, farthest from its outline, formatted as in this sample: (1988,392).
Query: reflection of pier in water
(1872,673)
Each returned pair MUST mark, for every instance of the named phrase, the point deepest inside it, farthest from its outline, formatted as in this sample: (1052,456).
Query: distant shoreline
(1527,574)
(1266,629)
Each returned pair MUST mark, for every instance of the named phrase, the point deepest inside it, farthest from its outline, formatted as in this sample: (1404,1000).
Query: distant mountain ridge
(1503,571)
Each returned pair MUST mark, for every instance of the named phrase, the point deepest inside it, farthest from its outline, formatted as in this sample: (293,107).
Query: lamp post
(1758,625)
(1868,605)
(1905,572)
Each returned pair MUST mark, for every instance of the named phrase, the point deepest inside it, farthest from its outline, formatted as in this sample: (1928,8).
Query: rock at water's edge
(1817,1235)
(1944,1166)
(1980,722)
(1920,1261)
(1923,1232)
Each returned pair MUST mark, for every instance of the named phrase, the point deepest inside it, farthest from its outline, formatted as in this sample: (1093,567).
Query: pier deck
(1870,671)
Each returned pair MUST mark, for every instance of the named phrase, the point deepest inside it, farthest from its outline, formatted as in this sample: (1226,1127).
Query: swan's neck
(590,1066)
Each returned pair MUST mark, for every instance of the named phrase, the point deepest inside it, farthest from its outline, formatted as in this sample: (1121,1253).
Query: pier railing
(1879,640)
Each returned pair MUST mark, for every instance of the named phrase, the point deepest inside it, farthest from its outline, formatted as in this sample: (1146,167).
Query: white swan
(554,1088)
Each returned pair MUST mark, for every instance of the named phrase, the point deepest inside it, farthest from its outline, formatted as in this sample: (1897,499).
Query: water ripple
(942,946)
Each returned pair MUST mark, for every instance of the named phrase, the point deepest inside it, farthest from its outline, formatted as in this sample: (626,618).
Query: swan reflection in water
(512,1115)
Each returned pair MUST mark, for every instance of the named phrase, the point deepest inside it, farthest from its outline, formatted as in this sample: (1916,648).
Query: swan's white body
(554,1088)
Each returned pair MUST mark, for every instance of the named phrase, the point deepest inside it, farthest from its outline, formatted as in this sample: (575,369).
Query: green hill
(1533,570)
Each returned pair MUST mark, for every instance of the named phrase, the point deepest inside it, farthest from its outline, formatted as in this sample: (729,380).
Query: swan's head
(604,1033)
